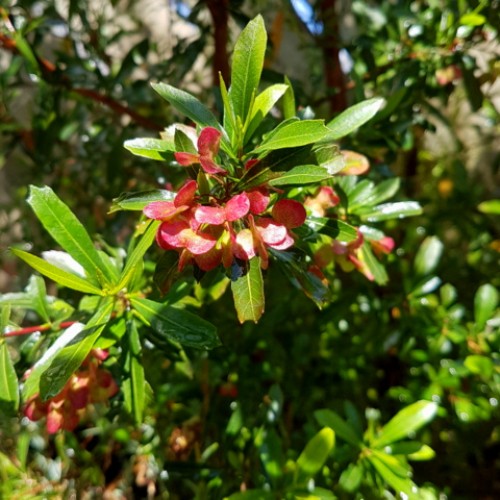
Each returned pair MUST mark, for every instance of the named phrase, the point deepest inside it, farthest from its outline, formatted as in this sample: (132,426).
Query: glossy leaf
(413,450)
(183,142)
(351,478)
(305,174)
(176,324)
(262,104)
(289,107)
(247,64)
(133,382)
(293,134)
(352,118)
(334,228)
(54,273)
(248,293)
(490,207)
(68,359)
(67,230)
(187,105)
(428,255)
(9,388)
(137,201)
(383,191)
(485,303)
(329,418)
(229,119)
(377,270)
(155,149)
(329,157)
(315,454)
(407,421)
(134,261)
(398,483)
(389,211)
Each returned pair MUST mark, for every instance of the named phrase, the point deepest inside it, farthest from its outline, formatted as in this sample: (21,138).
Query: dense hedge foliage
(257,286)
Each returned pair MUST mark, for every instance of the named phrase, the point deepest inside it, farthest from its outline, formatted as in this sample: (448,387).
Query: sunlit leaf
(329,418)
(248,293)
(155,149)
(315,454)
(305,174)
(137,201)
(485,303)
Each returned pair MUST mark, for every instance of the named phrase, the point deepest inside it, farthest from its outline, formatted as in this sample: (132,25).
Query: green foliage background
(75,85)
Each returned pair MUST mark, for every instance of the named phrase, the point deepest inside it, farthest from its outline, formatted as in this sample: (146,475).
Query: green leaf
(352,118)
(262,104)
(187,105)
(305,174)
(155,149)
(271,454)
(137,201)
(134,381)
(490,207)
(407,421)
(67,230)
(134,261)
(248,61)
(485,303)
(329,157)
(472,19)
(58,275)
(69,358)
(176,324)
(289,107)
(292,134)
(480,365)
(342,429)
(398,483)
(351,478)
(373,265)
(9,389)
(248,293)
(334,228)
(383,191)
(315,454)
(252,495)
(389,211)
(230,123)
(183,142)
(413,450)
(428,255)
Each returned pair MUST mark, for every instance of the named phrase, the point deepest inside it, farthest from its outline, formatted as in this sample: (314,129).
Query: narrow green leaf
(389,211)
(134,261)
(293,134)
(68,359)
(315,454)
(66,229)
(328,418)
(229,119)
(134,380)
(183,142)
(334,228)
(38,293)
(407,421)
(9,389)
(155,149)
(263,103)
(304,174)
(485,303)
(383,191)
(187,105)
(58,275)
(137,201)
(271,454)
(358,196)
(352,118)
(248,61)
(490,207)
(289,107)
(351,478)
(399,484)
(377,269)
(69,337)
(176,324)
(428,255)
(413,450)
(329,157)
(248,293)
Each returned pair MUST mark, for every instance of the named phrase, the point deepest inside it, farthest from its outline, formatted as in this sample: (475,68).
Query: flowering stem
(38,328)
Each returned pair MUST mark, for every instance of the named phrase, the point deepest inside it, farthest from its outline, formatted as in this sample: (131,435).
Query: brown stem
(330,44)
(53,75)
(220,16)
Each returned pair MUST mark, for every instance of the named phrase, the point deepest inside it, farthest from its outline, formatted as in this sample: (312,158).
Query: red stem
(39,328)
